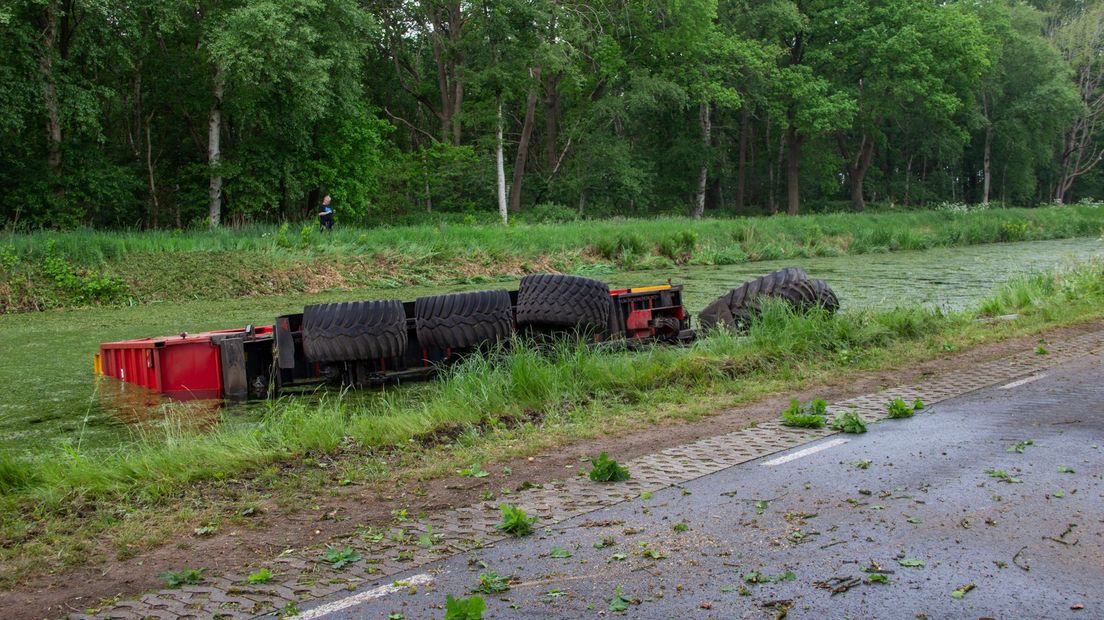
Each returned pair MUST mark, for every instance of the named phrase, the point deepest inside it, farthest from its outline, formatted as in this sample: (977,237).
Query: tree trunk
(155,205)
(500,169)
(987,174)
(523,143)
(706,125)
(49,94)
(741,168)
(214,152)
(908,178)
(857,168)
(772,203)
(793,157)
(551,121)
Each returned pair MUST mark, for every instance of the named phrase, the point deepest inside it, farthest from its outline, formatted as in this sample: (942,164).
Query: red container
(184,367)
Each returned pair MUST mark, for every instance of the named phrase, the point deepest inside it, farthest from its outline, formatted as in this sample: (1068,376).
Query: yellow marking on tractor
(646,289)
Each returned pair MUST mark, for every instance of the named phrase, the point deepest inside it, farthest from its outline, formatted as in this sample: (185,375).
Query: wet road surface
(990,505)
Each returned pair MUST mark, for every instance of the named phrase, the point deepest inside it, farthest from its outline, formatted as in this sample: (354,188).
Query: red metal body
(184,367)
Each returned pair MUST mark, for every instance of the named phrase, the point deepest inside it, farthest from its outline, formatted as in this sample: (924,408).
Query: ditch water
(51,398)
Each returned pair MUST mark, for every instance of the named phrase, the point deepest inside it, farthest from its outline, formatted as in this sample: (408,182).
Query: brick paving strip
(307,578)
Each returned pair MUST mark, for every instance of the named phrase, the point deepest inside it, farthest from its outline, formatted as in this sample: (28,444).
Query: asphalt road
(910,498)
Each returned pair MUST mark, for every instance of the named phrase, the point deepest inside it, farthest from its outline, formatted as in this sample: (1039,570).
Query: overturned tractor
(365,343)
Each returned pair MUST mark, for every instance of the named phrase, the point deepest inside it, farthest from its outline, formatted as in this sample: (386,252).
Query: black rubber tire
(825,296)
(354,330)
(463,320)
(739,306)
(558,301)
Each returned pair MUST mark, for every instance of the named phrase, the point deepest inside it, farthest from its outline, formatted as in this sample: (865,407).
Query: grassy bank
(49,270)
(517,402)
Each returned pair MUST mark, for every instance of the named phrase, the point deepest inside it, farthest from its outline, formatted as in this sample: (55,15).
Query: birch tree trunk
(214,152)
(500,169)
(986,170)
(703,175)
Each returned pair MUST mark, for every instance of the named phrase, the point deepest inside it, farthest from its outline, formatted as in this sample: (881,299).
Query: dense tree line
(176,112)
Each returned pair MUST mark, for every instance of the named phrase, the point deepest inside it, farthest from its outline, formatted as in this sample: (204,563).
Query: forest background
(185,113)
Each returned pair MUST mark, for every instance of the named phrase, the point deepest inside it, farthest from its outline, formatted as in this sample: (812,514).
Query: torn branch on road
(1015,559)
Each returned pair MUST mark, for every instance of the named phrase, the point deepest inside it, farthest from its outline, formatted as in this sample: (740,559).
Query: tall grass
(267,260)
(738,238)
(520,384)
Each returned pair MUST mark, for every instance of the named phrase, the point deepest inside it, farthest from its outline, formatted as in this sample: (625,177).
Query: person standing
(325,215)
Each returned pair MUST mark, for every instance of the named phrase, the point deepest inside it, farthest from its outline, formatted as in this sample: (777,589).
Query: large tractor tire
(354,330)
(739,306)
(825,296)
(559,301)
(463,320)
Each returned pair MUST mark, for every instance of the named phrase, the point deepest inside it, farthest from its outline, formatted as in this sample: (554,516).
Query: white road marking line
(806,452)
(364,597)
(1009,386)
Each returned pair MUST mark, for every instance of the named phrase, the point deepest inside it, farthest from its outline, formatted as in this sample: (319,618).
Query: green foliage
(549,213)
(1003,476)
(758,577)
(1020,446)
(618,603)
(340,558)
(475,471)
(680,246)
(605,469)
(560,553)
(809,415)
(898,408)
(85,286)
(515,522)
(262,576)
(470,608)
(492,583)
(622,246)
(188,576)
(849,422)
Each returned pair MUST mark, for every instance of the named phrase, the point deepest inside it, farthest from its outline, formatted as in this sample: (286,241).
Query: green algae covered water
(50,397)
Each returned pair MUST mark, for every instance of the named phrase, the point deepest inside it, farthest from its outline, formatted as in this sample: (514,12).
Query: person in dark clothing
(325,215)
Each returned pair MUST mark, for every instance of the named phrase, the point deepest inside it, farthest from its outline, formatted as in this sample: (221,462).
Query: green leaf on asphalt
(961,591)
(1058,494)
(560,552)
(878,578)
(1019,446)
(1003,476)
(911,563)
(618,603)
(1062,469)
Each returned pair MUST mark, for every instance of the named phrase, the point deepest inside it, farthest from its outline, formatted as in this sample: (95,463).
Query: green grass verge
(512,403)
(62,269)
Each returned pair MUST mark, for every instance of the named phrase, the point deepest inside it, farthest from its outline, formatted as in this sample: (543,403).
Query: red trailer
(372,342)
